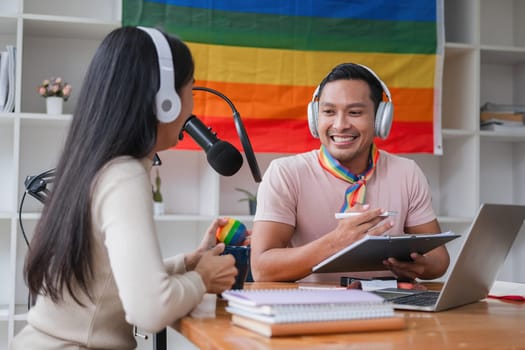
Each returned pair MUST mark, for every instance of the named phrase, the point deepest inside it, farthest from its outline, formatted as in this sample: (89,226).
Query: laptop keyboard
(418,299)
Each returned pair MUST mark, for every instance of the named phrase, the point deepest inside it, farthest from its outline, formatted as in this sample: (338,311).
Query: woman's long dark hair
(113,117)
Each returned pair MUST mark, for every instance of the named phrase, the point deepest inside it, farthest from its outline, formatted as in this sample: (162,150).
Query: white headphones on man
(167,101)
(383,118)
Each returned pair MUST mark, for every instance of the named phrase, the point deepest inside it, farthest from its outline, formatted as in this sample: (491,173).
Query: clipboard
(368,253)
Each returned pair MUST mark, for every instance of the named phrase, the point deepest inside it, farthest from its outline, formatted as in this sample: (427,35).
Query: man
(294,227)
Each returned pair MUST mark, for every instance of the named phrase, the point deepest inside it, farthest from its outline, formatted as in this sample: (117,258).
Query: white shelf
(45,118)
(491,54)
(455,220)
(158,218)
(457,133)
(4,312)
(105,10)
(20,312)
(67,27)
(453,49)
(190,218)
(30,216)
(8,24)
(7,119)
(503,136)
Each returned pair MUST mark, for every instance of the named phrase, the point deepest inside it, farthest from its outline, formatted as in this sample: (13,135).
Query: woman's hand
(208,241)
(217,271)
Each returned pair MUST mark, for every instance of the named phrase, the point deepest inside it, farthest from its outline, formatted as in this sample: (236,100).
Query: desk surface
(488,324)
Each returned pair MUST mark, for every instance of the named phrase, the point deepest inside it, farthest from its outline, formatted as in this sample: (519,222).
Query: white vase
(158,208)
(54,105)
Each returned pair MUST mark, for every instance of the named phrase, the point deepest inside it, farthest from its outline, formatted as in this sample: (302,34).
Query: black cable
(20,218)
(29,300)
(36,186)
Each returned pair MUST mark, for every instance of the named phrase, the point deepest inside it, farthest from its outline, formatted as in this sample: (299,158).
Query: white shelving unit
(52,38)
(484,61)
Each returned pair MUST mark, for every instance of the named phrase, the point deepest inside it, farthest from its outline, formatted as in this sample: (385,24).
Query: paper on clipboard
(368,253)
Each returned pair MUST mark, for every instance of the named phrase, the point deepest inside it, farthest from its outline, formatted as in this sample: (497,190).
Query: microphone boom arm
(241,131)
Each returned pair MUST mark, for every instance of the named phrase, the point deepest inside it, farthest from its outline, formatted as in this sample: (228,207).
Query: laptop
(484,250)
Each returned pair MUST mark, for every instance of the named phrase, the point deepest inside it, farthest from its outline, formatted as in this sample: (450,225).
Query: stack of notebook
(280,312)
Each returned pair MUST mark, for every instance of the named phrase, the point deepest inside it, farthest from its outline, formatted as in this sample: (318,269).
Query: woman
(94,261)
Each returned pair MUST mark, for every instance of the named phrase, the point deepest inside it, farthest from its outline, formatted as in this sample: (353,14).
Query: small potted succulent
(250,198)
(158,203)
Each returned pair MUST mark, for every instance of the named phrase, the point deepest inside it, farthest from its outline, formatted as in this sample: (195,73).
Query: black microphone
(221,155)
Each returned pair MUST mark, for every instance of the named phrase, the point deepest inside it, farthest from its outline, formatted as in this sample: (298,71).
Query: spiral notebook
(289,296)
(273,312)
(298,305)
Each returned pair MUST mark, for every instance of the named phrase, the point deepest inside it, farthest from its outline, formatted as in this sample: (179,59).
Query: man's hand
(368,222)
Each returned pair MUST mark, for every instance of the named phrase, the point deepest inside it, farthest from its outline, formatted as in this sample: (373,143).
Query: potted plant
(55,91)
(250,198)
(158,203)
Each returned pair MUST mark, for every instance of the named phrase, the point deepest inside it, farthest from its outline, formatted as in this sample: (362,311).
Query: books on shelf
(3,79)
(504,118)
(505,126)
(7,79)
(277,312)
(502,108)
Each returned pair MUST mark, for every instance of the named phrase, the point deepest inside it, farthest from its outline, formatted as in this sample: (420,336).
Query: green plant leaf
(249,195)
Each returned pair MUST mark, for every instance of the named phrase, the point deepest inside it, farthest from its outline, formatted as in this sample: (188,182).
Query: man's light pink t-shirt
(297,191)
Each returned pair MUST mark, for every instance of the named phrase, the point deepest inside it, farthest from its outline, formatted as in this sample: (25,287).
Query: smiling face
(346,122)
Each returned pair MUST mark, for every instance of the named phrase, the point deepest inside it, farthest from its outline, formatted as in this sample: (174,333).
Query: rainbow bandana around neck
(355,193)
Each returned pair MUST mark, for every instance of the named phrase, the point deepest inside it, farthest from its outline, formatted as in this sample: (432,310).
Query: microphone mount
(36,185)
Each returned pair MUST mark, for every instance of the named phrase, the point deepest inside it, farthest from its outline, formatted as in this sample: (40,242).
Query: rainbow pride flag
(268,57)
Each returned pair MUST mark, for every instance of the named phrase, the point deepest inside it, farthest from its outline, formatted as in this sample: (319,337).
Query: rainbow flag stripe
(268,56)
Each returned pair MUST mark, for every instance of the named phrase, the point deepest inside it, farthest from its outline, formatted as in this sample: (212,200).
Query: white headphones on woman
(383,118)
(167,101)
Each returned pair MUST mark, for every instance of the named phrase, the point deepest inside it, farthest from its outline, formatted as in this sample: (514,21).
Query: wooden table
(488,324)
